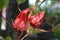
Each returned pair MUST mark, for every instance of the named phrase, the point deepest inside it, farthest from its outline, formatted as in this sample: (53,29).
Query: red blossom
(37,19)
(21,21)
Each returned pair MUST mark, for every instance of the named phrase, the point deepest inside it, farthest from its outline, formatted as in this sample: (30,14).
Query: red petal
(37,19)
(21,21)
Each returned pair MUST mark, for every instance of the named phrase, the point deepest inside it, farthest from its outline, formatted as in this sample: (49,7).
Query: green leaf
(8,38)
(20,1)
(56,29)
(3,3)
(33,31)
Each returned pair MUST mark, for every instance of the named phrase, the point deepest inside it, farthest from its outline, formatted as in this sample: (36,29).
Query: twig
(41,30)
(33,9)
(19,36)
(25,36)
(19,9)
(8,22)
(42,2)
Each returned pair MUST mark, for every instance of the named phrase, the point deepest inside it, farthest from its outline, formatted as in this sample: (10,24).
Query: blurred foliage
(56,28)
(8,38)
(33,31)
(20,1)
(3,3)
(56,31)
(1,38)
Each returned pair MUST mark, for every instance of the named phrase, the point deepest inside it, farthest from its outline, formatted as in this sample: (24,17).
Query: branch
(25,36)
(8,23)
(42,2)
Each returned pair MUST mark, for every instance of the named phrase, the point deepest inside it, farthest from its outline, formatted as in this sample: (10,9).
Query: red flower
(21,21)
(37,19)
